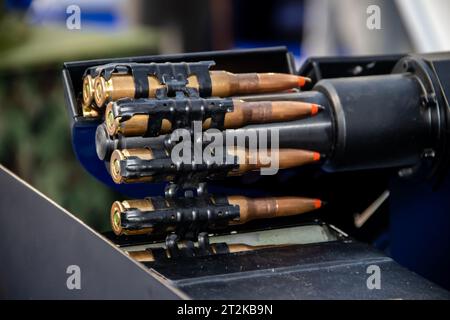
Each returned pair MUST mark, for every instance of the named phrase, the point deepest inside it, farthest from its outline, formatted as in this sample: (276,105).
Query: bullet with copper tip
(249,209)
(223,84)
(245,159)
(243,113)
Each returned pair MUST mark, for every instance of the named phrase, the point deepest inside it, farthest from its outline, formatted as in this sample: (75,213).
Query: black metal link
(159,169)
(187,217)
(181,112)
(173,75)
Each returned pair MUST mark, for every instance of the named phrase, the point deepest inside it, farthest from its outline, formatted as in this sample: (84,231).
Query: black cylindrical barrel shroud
(379,121)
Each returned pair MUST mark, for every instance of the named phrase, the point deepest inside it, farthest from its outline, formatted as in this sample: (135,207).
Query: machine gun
(395,117)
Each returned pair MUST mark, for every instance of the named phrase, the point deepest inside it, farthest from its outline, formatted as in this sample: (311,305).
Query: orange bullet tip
(302,81)
(316,156)
(315,109)
(318,203)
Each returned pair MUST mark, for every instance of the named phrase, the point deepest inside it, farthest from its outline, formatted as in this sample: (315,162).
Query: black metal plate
(39,240)
(333,270)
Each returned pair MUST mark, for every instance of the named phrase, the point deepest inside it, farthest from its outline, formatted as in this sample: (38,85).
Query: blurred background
(37,36)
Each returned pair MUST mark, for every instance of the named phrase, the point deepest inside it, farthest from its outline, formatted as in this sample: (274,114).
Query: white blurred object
(427,22)
(317,39)
(336,27)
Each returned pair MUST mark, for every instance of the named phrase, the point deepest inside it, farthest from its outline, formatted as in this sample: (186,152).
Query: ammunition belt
(185,216)
(160,169)
(173,75)
(181,112)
